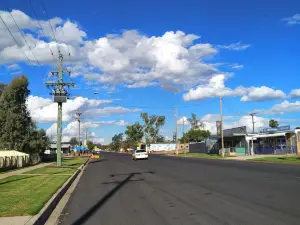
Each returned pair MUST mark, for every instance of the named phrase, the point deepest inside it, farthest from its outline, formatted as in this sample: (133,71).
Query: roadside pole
(183,136)
(221,119)
(176,128)
(78,114)
(60,96)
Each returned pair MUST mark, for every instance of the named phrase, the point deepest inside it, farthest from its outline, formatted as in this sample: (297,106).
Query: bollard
(1,162)
(7,162)
(20,161)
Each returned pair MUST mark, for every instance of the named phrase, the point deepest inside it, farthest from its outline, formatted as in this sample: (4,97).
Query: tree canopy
(17,130)
(151,126)
(73,141)
(195,123)
(195,136)
(134,133)
(117,141)
(273,123)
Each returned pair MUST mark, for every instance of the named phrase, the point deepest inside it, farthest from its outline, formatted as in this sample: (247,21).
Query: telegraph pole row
(252,115)
(60,95)
(176,129)
(78,119)
(221,119)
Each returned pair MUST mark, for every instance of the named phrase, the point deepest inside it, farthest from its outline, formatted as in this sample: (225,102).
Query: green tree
(273,123)
(73,141)
(90,145)
(195,123)
(134,134)
(160,139)
(36,142)
(15,121)
(195,136)
(2,85)
(116,142)
(151,126)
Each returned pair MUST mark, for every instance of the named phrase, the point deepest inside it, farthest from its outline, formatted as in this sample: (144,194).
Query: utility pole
(183,120)
(86,136)
(78,114)
(252,115)
(221,119)
(60,96)
(176,129)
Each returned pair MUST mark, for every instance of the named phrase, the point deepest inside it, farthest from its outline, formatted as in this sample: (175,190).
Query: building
(65,148)
(280,140)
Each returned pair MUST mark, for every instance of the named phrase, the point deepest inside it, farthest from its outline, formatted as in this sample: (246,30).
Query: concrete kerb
(45,212)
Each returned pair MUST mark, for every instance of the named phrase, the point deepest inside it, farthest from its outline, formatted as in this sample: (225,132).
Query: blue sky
(153,55)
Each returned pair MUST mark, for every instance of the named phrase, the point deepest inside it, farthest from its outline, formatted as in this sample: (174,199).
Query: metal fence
(278,150)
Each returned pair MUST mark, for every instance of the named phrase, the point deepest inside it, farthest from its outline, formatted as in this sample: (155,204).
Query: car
(139,154)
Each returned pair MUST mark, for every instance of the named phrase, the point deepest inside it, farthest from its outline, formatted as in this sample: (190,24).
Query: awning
(270,135)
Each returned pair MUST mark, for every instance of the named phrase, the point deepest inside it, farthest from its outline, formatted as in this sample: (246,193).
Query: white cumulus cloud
(295,93)
(262,93)
(216,88)
(293,20)
(43,110)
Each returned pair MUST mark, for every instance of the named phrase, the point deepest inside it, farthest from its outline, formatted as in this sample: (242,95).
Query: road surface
(171,190)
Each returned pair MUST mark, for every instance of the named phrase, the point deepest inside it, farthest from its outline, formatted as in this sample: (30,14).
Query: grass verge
(52,170)
(26,195)
(280,159)
(74,162)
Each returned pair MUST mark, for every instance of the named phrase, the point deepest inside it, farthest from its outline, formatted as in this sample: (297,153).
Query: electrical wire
(42,30)
(16,40)
(23,35)
(43,5)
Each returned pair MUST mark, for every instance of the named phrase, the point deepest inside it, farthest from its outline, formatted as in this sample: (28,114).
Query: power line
(36,18)
(43,5)
(22,35)
(16,40)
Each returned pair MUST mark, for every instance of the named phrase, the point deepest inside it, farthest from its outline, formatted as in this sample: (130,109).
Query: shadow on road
(118,182)
(137,173)
(102,201)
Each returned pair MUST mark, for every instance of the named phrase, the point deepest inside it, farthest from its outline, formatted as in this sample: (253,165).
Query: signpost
(219,128)
(276,129)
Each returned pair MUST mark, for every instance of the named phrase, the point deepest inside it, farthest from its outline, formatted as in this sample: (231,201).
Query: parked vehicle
(139,154)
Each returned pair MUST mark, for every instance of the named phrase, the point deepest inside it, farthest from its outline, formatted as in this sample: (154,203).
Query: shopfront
(276,143)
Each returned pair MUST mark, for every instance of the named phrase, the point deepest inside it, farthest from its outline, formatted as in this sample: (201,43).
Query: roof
(271,135)
(63,146)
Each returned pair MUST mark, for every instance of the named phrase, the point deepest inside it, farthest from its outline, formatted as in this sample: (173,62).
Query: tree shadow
(82,219)
(14,180)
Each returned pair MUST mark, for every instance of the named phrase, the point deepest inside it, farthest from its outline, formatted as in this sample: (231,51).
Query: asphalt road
(170,190)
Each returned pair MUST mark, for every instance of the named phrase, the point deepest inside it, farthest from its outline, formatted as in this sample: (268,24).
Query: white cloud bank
(43,110)
(295,93)
(216,88)
(71,130)
(175,60)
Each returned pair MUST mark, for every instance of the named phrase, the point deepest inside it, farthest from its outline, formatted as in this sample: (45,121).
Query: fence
(14,159)
(277,150)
